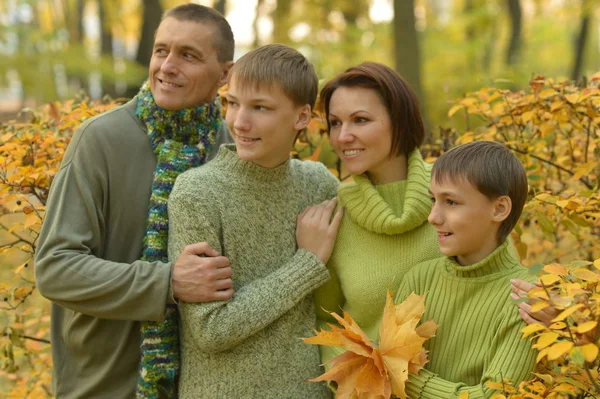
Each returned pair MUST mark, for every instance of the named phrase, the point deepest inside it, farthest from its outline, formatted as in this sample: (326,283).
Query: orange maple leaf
(371,371)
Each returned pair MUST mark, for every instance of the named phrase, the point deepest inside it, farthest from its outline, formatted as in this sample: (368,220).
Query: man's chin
(167,105)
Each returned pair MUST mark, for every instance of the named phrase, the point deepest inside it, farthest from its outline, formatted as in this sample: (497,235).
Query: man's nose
(169,65)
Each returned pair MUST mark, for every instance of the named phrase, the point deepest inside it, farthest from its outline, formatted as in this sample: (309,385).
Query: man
(101,257)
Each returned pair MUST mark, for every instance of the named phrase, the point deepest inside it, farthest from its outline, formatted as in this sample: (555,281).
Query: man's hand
(199,278)
(316,231)
(520,289)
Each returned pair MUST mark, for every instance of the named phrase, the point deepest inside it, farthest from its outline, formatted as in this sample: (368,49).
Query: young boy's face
(263,122)
(466,220)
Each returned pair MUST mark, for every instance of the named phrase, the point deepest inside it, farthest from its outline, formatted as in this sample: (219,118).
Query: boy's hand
(197,278)
(316,230)
(520,289)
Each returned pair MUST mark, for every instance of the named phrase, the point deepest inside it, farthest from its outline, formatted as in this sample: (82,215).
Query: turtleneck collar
(228,158)
(500,261)
(366,207)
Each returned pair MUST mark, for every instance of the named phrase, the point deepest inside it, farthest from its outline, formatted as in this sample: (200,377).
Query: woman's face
(361,134)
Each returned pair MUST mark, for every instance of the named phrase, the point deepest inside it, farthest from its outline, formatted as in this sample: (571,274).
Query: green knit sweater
(384,233)
(249,346)
(479,334)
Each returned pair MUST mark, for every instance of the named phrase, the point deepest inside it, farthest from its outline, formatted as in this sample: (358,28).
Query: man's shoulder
(111,119)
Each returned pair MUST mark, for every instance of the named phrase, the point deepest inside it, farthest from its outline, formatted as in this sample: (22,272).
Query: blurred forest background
(59,49)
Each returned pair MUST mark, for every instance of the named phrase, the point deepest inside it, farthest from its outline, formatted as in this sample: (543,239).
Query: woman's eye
(334,123)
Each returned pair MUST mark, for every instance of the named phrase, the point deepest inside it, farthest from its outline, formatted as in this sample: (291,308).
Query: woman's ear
(502,208)
(304,117)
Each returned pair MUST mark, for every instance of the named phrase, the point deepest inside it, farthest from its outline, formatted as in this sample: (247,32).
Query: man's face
(263,122)
(184,69)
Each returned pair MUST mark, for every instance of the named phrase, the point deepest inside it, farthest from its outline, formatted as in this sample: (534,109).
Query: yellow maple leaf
(377,371)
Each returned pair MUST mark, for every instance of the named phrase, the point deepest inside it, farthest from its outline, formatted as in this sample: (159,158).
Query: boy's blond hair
(277,64)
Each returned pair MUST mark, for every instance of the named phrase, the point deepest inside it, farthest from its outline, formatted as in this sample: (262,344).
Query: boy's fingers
(526,317)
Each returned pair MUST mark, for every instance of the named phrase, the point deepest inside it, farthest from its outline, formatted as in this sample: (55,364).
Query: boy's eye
(450,202)
(231,103)
(432,200)
(261,108)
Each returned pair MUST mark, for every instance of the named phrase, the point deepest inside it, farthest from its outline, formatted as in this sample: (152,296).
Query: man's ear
(304,117)
(502,208)
(226,68)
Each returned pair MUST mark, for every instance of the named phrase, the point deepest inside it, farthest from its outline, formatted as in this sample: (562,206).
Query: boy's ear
(304,117)
(225,73)
(502,208)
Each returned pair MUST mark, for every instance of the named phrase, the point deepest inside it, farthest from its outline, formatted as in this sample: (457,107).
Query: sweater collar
(228,159)
(500,261)
(366,208)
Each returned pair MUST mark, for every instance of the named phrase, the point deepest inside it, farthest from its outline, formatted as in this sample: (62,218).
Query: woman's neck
(395,169)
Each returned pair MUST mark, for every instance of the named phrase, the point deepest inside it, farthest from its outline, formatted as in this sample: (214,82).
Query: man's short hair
(277,64)
(224,43)
(396,94)
(492,169)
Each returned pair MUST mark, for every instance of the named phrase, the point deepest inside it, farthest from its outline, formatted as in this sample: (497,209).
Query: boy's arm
(511,357)
(220,325)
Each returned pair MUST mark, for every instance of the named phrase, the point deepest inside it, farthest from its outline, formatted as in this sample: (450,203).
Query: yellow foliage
(378,371)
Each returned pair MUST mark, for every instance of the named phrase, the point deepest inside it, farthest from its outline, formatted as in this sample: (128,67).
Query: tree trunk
(406,48)
(281,21)
(514,47)
(106,49)
(220,6)
(257,15)
(152,13)
(584,27)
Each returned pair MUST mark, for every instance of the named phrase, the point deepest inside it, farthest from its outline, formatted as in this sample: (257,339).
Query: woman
(376,129)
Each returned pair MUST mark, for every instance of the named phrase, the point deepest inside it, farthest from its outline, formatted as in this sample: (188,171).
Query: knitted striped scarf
(181,140)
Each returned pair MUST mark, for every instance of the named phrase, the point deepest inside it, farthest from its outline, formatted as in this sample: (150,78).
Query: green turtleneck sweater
(479,334)
(384,233)
(249,346)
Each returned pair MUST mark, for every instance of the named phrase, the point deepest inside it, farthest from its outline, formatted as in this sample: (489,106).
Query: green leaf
(545,223)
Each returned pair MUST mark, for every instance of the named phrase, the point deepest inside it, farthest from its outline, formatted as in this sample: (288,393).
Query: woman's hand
(520,289)
(316,230)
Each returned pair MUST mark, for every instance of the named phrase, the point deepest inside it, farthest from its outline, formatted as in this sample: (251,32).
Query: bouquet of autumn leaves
(369,371)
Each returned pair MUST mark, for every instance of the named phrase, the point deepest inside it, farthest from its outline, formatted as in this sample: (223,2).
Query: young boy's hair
(277,64)
(492,169)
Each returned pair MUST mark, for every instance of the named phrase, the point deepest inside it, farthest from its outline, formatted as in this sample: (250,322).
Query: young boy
(245,203)
(478,192)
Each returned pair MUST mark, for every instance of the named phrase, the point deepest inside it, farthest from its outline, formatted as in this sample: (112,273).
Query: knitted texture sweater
(479,334)
(249,346)
(384,232)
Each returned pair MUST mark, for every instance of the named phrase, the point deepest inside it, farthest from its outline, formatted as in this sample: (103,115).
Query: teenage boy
(478,192)
(245,204)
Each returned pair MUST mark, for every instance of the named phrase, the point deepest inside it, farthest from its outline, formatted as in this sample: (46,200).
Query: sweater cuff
(427,385)
(171,295)
(309,269)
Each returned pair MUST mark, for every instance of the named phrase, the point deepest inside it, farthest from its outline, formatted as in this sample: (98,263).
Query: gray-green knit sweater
(249,346)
